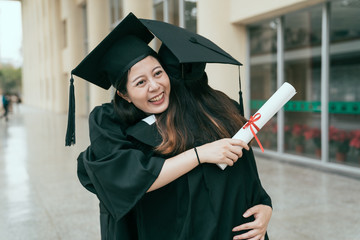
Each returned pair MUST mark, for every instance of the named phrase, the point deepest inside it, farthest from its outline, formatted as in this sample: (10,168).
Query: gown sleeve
(112,167)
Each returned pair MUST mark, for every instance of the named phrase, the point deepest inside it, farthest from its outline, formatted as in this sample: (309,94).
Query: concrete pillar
(73,49)
(31,69)
(98,24)
(27,74)
(58,77)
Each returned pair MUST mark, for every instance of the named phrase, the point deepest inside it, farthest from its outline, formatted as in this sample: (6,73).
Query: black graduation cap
(189,47)
(186,71)
(110,60)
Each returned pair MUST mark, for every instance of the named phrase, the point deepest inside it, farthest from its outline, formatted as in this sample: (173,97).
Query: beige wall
(214,23)
(242,11)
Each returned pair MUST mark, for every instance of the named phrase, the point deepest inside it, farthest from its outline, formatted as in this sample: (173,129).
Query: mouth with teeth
(157,99)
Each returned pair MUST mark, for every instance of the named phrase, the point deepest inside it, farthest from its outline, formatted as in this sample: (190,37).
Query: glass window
(159,11)
(263,75)
(174,12)
(190,15)
(112,12)
(85,30)
(119,9)
(116,11)
(302,66)
(159,15)
(344,87)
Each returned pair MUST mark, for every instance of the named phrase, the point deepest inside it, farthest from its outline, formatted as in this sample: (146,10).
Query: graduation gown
(120,166)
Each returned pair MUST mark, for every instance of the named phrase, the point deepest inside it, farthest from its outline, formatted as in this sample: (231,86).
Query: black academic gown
(119,166)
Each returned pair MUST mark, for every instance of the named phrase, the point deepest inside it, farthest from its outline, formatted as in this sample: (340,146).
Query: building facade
(312,44)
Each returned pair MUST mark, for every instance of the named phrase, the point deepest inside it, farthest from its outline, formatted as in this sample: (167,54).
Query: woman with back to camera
(151,181)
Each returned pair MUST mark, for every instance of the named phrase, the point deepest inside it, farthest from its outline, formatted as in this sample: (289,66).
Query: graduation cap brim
(88,68)
(188,46)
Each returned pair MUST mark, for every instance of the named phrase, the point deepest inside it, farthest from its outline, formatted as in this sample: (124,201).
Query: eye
(158,73)
(140,82)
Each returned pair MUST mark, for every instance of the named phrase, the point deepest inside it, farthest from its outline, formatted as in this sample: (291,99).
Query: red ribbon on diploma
(251,124)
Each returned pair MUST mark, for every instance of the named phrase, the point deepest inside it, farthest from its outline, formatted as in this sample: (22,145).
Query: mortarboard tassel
(240,96)
(70,132)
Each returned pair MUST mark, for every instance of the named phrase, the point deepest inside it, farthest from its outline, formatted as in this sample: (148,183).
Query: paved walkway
(41,198)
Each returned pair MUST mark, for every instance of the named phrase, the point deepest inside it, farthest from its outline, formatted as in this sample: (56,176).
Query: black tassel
(240,96)
(241,104)
(70,132)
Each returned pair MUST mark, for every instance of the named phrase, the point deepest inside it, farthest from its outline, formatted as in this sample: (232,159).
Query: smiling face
(148,86)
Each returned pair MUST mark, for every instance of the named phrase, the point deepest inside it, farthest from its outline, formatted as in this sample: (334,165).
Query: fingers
(250,235)
(254,234)
(238,142)
(257,228)
(244,226)
(237,150)
(225,150)
(256,237)
(251,211)
(233,151)
(236,146)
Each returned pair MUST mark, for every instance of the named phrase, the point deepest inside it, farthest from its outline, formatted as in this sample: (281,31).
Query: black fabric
(120,166)
(115,169)
(121,56)
(118,49)
(185,71)
(188,46)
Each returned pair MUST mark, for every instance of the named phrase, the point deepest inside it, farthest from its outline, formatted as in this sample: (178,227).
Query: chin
(160,109)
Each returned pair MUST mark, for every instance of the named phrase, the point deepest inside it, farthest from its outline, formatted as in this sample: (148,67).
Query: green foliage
(10,79)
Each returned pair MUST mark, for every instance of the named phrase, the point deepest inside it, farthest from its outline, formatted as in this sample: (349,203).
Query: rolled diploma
(267,111)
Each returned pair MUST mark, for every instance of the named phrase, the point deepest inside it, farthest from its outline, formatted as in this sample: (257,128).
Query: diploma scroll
(264,114)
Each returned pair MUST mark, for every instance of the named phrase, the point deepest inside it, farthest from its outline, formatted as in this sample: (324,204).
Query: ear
(124,96)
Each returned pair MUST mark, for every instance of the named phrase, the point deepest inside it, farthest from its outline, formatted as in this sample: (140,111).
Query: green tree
(10,79)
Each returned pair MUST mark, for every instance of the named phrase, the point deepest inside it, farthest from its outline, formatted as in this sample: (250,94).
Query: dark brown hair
(196,114)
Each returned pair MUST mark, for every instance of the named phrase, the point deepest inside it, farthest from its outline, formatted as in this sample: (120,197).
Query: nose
(153,85)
